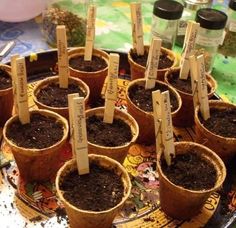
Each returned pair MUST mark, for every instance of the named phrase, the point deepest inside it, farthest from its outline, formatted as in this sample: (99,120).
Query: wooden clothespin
(161,103)
(90,33)
(63,62)
(189,45)
(111,91)
(152,63)
(80,135)
(137,27)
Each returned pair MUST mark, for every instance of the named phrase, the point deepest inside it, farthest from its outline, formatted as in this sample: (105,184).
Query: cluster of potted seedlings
(94,187)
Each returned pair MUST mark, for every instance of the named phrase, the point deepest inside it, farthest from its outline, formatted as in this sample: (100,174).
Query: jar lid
(232,4)
(211,18)
(168,9)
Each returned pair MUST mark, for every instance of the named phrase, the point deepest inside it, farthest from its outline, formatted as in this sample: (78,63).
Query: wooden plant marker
(21,91)
(156,101)
(194,79)
(14,77)
(70,107)
(63,62)
(189,45)
(90,33)
(111,91)
(199,85)
(152,63)
(162,107)
(80,135)
(137,27)
(202,88)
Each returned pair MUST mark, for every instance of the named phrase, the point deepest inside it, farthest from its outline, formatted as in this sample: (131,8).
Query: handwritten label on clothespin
(137,27)
(167,127)
(111,91)
(202,88)
(80,135)
(156,102)
(70,108)
(21,91)
(14,80)
(189,45)
(62,54)
(90,33)
(194,79)
(152,63)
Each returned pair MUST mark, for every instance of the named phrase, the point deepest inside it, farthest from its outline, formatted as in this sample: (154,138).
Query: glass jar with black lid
(210,34)
(166,14)
(229,46)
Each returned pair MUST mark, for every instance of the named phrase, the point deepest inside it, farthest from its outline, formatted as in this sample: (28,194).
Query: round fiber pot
(64,111)
(145,119)
(6,100)
(185,117)
(94,80)
(225,147)
(138,71)
(117,152)
(89,219)
(37,164)
(179,202)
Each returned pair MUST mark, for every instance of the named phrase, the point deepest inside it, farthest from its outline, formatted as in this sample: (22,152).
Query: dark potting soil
(190,171)
(99,190)
(182,85)
(54,96)
(164,61)
(95,64)
(104,134)
(5,80)
(143,98)
(41,132)
(222,122)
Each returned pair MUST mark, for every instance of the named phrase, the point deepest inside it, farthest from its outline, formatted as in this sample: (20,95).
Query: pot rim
(168,51)
(75,52)
(8,70)
(212,104)
(209,78)
(47,81)
(221,177)
(131,83)
(117,111)
(110,160)
(35,150)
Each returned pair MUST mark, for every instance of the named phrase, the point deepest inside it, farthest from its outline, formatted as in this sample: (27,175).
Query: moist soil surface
(54,96)
(104,134)
(143,98)
(190,171)
(99,190)
(222,122)
(181,84)
(94,65)
(41,132)
(164,61)
(5,80)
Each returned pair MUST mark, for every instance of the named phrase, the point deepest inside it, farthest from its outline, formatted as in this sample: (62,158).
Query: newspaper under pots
(91,219)
(185,116)
(37,164)
(225,147)
(179,202)
(94,80)
(118,152)
(145,119)
(63,111)
(6,100)
(138,71)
